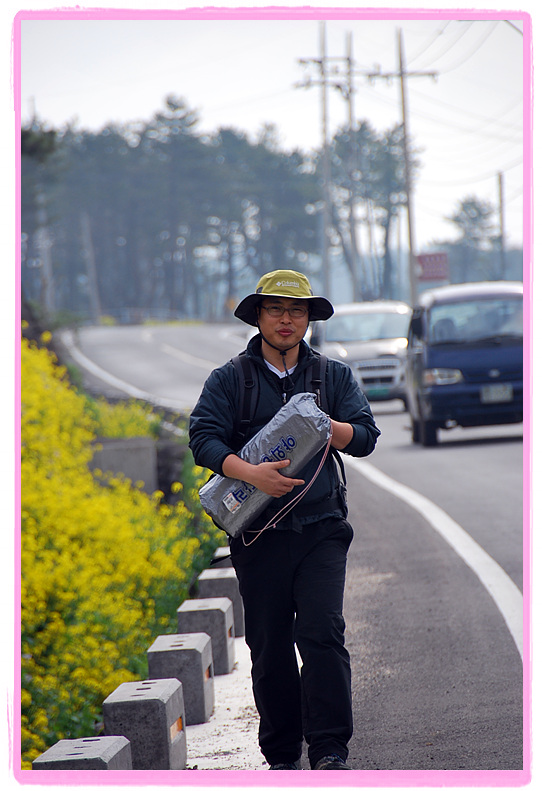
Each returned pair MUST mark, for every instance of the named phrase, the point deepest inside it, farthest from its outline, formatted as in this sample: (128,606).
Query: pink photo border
(385,778)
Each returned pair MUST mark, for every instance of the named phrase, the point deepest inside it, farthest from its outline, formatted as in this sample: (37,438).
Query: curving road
(433,602)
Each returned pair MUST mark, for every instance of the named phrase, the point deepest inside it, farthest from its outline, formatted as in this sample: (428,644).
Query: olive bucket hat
(283,283)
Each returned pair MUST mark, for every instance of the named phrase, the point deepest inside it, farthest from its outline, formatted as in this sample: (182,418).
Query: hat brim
(321,309)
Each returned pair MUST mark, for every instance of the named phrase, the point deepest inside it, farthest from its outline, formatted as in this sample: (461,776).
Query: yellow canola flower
(104,566)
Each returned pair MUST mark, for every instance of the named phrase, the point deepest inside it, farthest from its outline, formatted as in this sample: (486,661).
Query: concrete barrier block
(134,457)
(150,714)
(100,752)
(223,582)
(222,558)
(189,658)
(214,616)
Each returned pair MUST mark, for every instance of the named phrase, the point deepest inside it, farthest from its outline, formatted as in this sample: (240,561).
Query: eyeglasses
(276,311)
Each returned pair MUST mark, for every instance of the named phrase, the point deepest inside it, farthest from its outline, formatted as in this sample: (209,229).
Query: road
(433,602)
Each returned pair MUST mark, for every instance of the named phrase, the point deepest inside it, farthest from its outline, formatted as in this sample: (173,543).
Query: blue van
(465,358)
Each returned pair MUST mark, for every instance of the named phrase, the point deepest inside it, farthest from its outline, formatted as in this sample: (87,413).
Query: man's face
(285,330)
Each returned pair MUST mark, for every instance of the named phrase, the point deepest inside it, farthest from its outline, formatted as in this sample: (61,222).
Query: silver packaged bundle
(298,431)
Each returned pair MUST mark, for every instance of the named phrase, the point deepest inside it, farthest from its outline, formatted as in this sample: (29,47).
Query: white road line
(499,585)
(207,365)
(114,381)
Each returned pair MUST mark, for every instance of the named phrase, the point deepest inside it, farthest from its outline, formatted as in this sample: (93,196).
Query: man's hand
(266,477)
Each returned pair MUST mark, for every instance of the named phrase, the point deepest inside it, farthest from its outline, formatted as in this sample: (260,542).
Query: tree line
(158,219)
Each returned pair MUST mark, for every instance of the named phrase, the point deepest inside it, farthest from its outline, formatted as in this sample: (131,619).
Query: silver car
(371,337)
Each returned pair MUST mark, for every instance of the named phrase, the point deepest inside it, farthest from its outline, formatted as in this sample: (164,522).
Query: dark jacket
(213,421)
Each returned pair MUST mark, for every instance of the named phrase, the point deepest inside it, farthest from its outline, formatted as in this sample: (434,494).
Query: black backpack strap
(340,463)
(248,395)
(315,381)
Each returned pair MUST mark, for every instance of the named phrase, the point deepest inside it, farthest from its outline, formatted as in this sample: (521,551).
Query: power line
(447,47)
(475,179)
(472,163)
(454,124)
(436,35)
(475,49)
(468,113)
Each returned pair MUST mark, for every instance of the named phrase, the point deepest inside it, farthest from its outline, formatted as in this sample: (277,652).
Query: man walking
(291,575)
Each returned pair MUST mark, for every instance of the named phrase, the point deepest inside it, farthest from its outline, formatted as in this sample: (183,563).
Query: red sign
(433,266)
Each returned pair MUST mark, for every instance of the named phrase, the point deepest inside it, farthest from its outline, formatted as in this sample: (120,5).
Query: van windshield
(350,327)
(476,320)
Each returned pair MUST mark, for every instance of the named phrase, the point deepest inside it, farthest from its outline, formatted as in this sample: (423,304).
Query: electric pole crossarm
(372,75)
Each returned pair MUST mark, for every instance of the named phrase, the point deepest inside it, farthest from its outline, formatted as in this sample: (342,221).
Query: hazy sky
(467,122)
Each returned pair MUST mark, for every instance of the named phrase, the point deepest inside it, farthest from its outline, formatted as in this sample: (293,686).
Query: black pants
(292,586)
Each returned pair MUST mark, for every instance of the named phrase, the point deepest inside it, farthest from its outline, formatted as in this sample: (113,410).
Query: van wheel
(428,433)
(415,429)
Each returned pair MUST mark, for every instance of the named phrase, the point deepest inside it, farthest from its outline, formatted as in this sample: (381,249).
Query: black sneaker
(331,762)
(287,765)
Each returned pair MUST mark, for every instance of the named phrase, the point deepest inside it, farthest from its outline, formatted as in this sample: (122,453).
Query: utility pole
(326,163)
(351,169)
(324,82)
(408,180)
(402,76)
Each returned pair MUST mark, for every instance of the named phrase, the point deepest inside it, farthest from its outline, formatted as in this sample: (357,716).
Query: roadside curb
(229,740)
